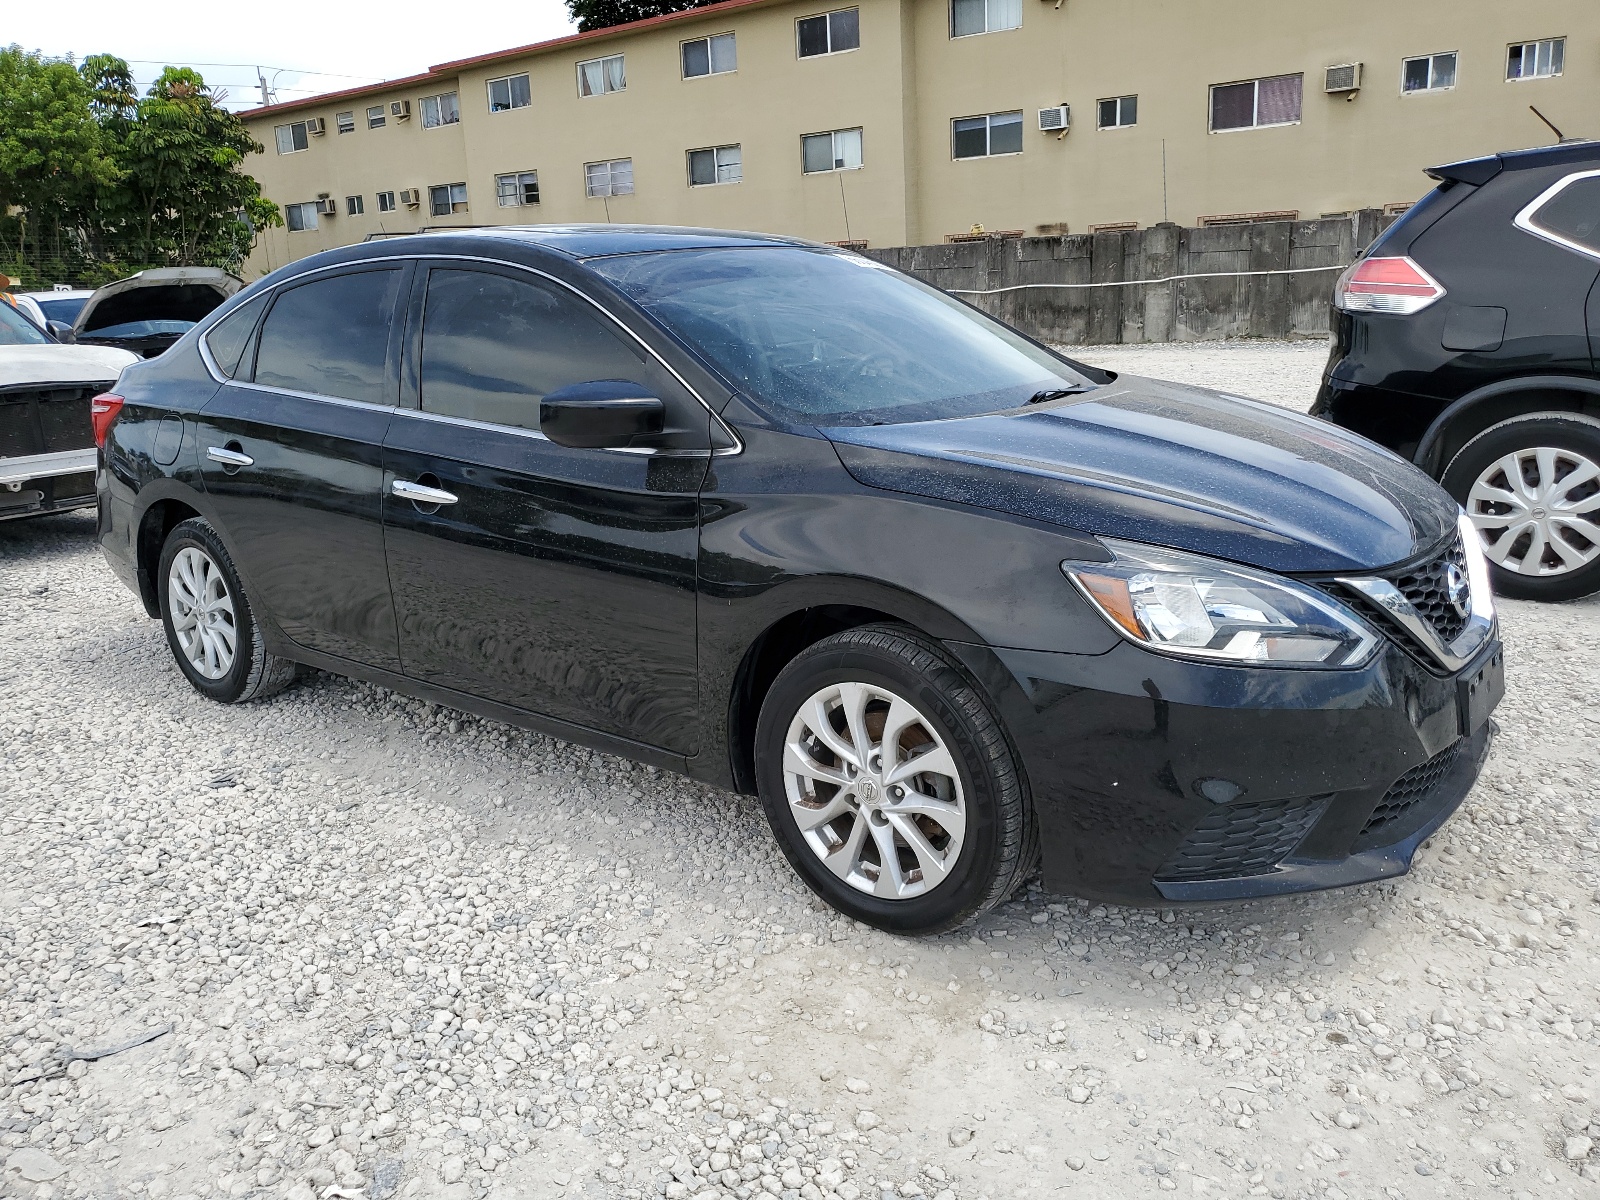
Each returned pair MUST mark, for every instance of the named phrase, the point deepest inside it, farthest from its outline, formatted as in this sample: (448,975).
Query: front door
(557,580)
(291,454)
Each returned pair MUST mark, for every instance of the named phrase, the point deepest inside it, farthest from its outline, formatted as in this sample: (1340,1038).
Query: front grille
(44,420)
(1243,839)
(1415,787)
(1425,586)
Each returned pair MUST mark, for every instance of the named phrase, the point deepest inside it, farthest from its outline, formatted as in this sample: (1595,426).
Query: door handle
(229,458)
(419,494)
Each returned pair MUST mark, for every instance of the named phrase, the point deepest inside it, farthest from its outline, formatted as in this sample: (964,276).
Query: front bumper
(33,484)
(1156,780)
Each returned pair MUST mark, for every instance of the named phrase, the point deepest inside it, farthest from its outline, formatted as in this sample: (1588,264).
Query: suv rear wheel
(889,783)
(1532,487)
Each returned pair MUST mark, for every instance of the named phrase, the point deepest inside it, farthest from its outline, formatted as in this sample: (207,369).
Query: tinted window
(493,346)
(65,311)
(1574,213)
(227,337)
(331,337)
(832,339)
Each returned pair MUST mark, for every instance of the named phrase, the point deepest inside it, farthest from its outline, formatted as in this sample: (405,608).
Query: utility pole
(266,94)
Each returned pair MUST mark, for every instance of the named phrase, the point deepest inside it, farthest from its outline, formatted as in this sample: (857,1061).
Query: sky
(303,49)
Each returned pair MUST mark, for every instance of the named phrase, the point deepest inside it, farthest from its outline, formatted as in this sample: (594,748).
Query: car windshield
(135,329)
(64,310)
(17,330)
(827,338)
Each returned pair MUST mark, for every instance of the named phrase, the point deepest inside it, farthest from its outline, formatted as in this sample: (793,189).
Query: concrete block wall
(1162,284)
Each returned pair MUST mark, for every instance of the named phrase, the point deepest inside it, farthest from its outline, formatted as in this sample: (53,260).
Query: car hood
(1171,466)
(23,365)
(161,294)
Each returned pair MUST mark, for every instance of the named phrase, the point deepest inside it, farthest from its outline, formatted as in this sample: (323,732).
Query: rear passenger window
(1573,214)
(493,346)
(331,337)
(226,339)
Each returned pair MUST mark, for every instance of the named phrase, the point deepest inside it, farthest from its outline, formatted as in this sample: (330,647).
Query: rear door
(291,456)
(557,580)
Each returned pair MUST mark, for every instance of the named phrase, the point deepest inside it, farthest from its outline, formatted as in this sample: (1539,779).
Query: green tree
(602,14)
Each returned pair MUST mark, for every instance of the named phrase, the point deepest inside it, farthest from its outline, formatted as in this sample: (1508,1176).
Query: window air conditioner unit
(1345,77)
(316,126)
(327,208)
(1055,120)
(410,197)
(400,110)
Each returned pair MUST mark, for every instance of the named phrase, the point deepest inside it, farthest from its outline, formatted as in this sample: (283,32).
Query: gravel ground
(391,949)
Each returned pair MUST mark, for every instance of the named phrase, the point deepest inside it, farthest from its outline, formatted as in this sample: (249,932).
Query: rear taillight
(103,410)
(1386,285)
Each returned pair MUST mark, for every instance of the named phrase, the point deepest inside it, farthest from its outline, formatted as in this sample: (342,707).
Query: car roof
(599,241)
(60,294)
(1481,170)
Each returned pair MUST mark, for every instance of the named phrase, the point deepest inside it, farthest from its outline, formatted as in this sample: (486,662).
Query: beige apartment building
(896,122)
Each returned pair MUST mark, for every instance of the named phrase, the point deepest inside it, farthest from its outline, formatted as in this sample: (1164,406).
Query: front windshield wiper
(1049,394)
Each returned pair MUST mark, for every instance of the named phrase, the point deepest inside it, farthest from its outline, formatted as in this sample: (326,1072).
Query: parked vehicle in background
(786,520)
(59,304)
(147,312)
(1465,339)
(47,451)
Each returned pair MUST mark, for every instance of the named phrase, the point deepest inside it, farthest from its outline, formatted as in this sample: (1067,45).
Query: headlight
(1196,607)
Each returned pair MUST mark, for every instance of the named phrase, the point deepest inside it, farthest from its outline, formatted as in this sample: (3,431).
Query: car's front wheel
(1531,486)
(890,784)
(210,627)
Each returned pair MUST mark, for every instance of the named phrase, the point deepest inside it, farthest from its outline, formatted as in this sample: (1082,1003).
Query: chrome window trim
(1524,219)
(714,451)
(339,400)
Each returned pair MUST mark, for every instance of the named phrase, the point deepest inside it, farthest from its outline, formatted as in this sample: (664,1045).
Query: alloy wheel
(1536,510)
(203,618)
(874,790)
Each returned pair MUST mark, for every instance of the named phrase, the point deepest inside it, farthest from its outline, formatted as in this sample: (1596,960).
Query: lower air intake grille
(1411,789)
(1243,839)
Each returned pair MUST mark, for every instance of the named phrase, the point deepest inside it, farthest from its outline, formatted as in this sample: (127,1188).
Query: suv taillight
(1386,285)
(103,410)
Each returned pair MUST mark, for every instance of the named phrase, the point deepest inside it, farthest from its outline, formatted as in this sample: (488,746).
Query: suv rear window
(1570,216)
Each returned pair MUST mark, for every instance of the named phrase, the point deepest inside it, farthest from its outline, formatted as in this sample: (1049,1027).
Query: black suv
(1465,340)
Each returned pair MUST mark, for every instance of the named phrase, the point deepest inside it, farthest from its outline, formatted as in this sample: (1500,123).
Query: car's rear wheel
(1531,486)
(889,783)
(210,626)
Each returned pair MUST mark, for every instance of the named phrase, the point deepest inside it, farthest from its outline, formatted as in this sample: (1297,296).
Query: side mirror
(61,331)
(602,414)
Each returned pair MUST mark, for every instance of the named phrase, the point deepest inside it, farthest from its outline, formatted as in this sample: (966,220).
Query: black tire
(254,674)
(1571,432)
(1000,844)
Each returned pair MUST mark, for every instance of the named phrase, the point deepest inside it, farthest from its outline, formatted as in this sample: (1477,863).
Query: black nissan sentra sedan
(780,518)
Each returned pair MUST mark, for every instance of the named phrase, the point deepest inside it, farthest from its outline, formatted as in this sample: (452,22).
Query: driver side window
(494,345)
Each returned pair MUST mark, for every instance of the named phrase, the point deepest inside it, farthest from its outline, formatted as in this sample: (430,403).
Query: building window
(300,216)
(601,75)
(508,93)
(447,198)
(984,16)
(839,150)
(517,189)
(1256,103)
(710,56)
(291,138)
(719,164)
(1429,73)
(375,117)
(614,178)
(385,201)
(346,121)
(440,110)
(354,206)
(1536,60)
(1119,112)
(829,33)
(985,137)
